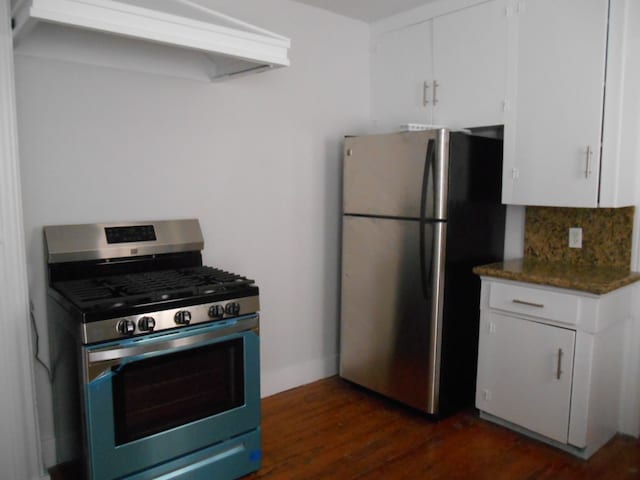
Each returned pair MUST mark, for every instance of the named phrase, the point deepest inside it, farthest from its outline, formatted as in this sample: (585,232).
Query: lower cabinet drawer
(534,302)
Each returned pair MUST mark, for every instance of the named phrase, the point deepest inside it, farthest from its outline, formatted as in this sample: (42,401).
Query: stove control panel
(152,322)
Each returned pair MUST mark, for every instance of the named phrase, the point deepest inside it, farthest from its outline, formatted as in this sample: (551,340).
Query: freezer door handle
(427,177)
(423,267)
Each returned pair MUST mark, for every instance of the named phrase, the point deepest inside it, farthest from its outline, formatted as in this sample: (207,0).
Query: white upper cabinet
(449,70)
(554,153)
(469,63)
(401,64)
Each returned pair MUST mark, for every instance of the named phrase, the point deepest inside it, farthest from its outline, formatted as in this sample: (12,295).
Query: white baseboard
(273,382)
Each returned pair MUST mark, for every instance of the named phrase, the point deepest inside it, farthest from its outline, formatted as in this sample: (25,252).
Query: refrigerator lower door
(391,308)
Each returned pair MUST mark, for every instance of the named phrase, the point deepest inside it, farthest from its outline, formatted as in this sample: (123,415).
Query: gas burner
(210,289)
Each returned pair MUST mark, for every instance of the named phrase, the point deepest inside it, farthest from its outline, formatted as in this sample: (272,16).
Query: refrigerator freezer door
(390,330)
(384,174)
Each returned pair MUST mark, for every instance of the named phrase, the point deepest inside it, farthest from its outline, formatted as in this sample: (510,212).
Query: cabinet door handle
(425,94)
(435,92)
(559,370)
(529,304)
(587,171)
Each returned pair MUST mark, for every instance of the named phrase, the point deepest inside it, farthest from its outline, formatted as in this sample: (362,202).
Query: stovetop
(115,292)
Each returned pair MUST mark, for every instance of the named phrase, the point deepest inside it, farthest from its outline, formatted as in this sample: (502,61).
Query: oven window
(157,394)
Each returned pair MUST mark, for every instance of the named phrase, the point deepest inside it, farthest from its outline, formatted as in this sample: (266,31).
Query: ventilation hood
(170,37)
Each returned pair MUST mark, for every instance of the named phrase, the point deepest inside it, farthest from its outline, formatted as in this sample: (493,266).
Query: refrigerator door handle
(436,304)
(428,176)
(423,267)
(440,168)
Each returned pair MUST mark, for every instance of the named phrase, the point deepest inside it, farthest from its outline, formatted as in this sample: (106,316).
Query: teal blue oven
(182,404)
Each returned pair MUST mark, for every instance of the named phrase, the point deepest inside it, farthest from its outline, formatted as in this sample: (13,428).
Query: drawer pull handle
(559,370)
(529,304)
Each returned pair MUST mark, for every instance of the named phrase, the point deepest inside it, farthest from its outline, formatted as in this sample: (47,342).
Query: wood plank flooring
(334,430)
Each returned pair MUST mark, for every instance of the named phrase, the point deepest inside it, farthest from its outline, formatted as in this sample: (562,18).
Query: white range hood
(170,37)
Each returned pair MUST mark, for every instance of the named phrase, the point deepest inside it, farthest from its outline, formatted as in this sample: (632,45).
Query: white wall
(256,159)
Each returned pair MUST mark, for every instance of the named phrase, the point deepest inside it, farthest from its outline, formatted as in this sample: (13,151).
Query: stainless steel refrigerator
(420,209)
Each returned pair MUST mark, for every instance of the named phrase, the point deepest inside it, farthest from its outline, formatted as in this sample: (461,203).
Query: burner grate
(114,291)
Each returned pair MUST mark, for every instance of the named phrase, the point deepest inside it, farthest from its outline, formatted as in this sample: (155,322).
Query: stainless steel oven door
(156,399)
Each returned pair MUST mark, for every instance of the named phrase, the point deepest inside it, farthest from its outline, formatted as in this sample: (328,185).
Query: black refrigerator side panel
(475,236)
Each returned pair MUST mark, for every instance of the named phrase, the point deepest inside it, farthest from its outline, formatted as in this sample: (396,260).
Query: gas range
(156,356)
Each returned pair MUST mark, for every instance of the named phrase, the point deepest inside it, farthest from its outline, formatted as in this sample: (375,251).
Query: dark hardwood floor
(331,429)
(334,430)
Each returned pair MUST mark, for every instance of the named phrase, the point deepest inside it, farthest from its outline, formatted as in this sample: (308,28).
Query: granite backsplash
(606,235)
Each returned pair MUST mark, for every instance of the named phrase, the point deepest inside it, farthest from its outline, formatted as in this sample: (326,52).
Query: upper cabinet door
(620,144)
(401,63)
(449,70)
(555,88)
(470,65)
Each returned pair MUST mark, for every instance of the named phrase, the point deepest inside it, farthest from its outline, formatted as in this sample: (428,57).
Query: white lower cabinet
(550,362)
(527,375)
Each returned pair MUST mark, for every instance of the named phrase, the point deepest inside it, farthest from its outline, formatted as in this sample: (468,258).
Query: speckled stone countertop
(587,278)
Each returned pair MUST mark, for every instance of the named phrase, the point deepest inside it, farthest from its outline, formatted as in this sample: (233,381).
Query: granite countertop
(586,278)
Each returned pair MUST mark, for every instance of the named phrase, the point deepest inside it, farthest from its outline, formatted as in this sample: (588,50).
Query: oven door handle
(115,354)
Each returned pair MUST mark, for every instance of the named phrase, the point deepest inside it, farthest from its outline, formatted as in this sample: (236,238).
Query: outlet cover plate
(575,237)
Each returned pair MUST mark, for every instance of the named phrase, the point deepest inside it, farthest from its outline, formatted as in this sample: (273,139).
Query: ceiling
(366,10)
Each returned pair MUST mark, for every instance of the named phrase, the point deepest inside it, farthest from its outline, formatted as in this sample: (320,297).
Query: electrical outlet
(575,237)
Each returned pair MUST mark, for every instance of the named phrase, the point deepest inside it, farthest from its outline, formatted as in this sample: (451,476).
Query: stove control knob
(216,311)
(232,308)
(183,317)
(147,324)
(126,327)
